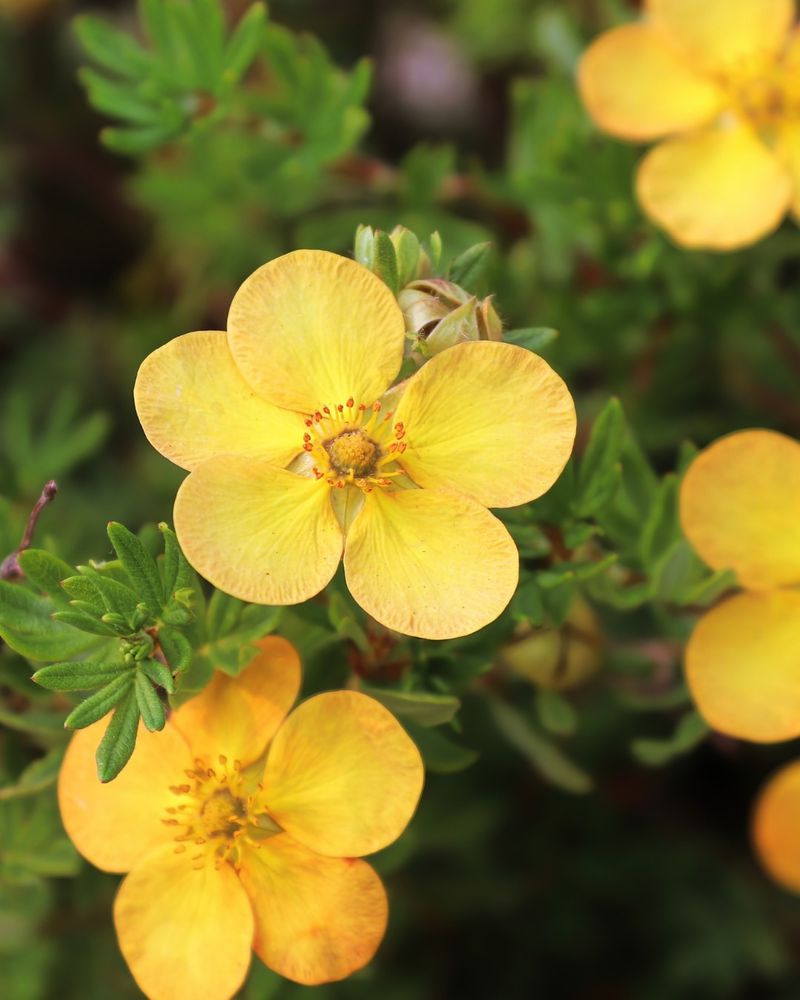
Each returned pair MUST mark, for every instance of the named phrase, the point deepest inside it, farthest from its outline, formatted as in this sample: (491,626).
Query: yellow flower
(721,80)
(298,453)
(241,828)
(740,509)
(776,826)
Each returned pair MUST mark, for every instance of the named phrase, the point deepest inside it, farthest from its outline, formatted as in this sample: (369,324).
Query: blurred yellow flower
(740,509)
(300,452)
(776,826)
(241,829)
(720,81)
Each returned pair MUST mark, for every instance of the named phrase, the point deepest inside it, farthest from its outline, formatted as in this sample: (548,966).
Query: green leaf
(41,774)
(532,338)
(469,269)
(78,676)
(222,614)
(111,48)
(27,625)
(441,755)
(244,43)
(117,99)
(139,565)
(45,571)
(85,622)
(158,674)
(385,260)
(175,570)
(79,588)
(690,731)
(599,473)
(176,648)
(100,703)
(661,529)
(133,141)
(555,713)
(543,755)
(119,741)
(150,705)
(421,707)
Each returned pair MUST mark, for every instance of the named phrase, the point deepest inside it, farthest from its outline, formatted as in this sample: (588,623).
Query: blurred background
(616,879)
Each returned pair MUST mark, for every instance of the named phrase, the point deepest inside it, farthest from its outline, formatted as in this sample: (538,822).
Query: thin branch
(10,568)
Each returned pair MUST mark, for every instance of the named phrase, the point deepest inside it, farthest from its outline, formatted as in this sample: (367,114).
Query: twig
(10,568)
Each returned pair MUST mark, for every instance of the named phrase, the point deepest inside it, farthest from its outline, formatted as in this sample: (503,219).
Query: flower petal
(743,666)
(788,148)
(317,919)
(113,825)
(342,777)
(430,563)
(719,189)
(732,35)
(313,328)
(257,532)
(193,404)
(776,826)
(186,934)
(740,510)
(488,419)
(636,84)
(238,716)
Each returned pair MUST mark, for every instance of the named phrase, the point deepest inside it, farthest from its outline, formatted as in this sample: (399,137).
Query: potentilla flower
(719,80)
(301,451)
(740,509)
(241,828)
(776,826)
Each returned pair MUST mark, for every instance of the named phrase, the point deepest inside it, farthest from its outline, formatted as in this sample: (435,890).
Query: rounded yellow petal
(257,532)
(193,404)
(776,826)
(730,35)
(719,189)
(488,419)
(185,933)
(636,84)
(430,563)
(311,329)
(342,776)
(238,716)
(113,825)
(740,507)
(317,919)
(743,666)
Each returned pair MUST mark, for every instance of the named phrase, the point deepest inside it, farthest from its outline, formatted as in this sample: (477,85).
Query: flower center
(768,99)
(215,813)
(354,445)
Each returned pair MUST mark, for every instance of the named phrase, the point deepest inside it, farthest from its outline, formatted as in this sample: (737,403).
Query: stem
(10,568)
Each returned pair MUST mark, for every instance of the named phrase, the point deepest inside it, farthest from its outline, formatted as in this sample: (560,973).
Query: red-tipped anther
(309,423)
(350,402)
(376,406)
(318,416)
(306,437)
(402,447)
(325,409)
(362,407)
(392,447)
(340,408)
(308,446)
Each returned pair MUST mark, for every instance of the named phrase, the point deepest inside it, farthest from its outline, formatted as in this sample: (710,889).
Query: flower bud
(439,314)
(557,659)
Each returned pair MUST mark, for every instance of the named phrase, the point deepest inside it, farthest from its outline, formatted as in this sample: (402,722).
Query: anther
(350,403)
(325,409)
(376,407)
(340,408)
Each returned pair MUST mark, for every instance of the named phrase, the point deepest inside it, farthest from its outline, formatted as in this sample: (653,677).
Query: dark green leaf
(176,648)
(469,269)
(119,741)
(139,565)
(78,676)
(111,48)
(441,755)
(599,473)
(79,588)
(421,707)
(690,731)
(27,625)
(158,674)
(44,570)
(385,260)
(100,703)
(85,622)
(532,338)
(244,43)
(150,705)
(555,713)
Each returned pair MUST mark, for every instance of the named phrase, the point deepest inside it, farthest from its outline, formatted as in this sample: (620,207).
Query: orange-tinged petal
(430,563)
(735,36)
(312,328)
(740,507)
(776,826)
(342,777)
(637,84)
(237,717)
(257,532)
(743,666)
(186,934)
(488,419)
(113,825)
(317,919)
(193,404)
(719,189)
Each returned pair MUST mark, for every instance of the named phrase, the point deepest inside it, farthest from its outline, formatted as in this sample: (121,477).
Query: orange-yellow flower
(299,451)
(740,509)
(776,826)
(719,80)
(241,828)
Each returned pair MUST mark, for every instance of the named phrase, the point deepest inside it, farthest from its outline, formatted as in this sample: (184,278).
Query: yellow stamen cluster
(215,813)
(352,444)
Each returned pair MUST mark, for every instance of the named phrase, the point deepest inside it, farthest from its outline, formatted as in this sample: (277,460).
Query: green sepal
(100,703)
(385,260)
(151,707)
(119,741)
(78,676)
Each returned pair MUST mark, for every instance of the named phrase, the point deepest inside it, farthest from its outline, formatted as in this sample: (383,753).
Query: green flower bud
(440,314)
